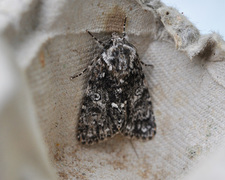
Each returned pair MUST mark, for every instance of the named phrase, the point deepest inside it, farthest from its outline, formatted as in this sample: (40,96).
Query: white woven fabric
(48,43)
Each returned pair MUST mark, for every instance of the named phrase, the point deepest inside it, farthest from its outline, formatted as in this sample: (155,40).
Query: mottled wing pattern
(140,122)
(117,98)
(102,112)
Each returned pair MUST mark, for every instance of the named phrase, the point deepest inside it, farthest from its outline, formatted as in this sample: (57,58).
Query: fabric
(49,43)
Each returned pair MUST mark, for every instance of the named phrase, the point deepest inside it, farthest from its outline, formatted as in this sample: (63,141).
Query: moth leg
(146,64)
(100,43)
(77,75)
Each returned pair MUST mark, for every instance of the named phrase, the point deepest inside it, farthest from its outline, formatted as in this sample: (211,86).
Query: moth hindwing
(117,99)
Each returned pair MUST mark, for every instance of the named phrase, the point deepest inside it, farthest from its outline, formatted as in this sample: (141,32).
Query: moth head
(117,39)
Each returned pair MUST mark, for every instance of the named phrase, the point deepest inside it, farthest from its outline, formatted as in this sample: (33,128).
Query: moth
(117,98)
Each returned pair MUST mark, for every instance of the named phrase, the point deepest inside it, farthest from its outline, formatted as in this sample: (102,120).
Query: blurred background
(207,15)
(23,154)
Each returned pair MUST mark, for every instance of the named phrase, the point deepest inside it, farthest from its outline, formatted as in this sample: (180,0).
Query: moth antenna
(124,27)
(97,40)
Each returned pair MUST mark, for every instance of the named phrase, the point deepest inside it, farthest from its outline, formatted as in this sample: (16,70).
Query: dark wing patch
(140,122)
(102,113)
